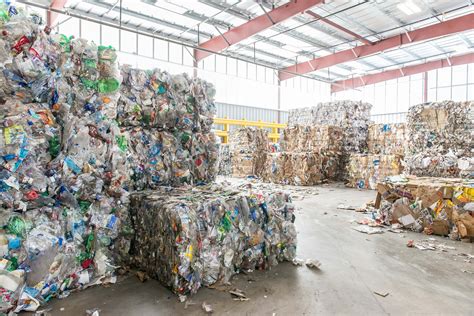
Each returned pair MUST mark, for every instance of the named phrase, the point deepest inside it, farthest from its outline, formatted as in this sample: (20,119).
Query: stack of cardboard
(353,117)
(440,206)
(248,149)
(309,156)
(441,138)
(386,145)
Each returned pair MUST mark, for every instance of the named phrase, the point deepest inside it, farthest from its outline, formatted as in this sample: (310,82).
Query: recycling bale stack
(61,213)
(439,206)
(188,239)
(224,161)
(248,148)
(386,146)
(165,120)
(441,138)
(352,116)
(309,155)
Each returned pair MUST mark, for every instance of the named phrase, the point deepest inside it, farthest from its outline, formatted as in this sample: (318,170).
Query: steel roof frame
(448,27)
(360,81)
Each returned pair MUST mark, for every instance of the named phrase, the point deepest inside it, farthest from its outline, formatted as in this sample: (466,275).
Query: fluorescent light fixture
(408,7)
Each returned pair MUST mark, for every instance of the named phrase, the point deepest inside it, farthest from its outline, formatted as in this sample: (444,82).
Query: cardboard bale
(441,139)
(248,150)
(387,139)
(351,116)
(365,171)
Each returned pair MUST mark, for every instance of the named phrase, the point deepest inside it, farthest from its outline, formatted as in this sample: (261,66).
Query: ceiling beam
(255,26)
(339,27)
(452,26)
(51,16)
(400,72)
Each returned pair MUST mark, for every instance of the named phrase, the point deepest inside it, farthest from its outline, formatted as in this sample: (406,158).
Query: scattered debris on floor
(142,276)
(434,206)
(238,295)
(298,262)
(313,263)
(93,312)
(380,293)
(207,308)
(368,230)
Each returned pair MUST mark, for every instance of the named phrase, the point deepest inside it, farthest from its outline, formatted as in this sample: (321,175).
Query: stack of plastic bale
(440,206)
(441,138)
(248,150)
(60,212)
(192,238)
(386,146)
(225,163)
(352,116)
(166,120)
(309,155)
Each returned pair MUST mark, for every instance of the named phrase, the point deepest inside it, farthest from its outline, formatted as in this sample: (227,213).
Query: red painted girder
(254,26)
(452,26)
(52,16)
(400,72)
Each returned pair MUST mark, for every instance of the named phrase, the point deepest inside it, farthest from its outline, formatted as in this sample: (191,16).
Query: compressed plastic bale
(29,140)
(157,99)
(204,153)
(224,161)
(186,239)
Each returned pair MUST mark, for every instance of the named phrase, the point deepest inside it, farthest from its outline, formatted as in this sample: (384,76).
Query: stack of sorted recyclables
(188,239)
(248,148)
(166,120)
(308,155)
(353,117)
(61,214)
(386,147)
(441,138)
(74,141)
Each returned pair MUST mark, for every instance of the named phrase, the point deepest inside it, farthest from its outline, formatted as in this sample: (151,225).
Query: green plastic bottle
(108,85)
(54,146)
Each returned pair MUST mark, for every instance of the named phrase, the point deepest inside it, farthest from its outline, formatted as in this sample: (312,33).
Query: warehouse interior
(237,157)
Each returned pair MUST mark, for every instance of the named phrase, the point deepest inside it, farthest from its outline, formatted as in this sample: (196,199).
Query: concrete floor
(354,265)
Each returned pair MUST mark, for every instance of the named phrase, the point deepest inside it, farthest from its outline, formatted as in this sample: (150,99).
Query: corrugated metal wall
(400,117)
(250,113)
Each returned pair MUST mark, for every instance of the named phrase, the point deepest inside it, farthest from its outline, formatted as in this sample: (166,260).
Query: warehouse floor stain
(354,266)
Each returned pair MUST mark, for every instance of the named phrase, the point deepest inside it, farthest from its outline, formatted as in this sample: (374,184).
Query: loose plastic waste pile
(193,238)
(386,146)
(309,156)
(440,206)
(353,117)
(441,138)
(70,150)
(248,148)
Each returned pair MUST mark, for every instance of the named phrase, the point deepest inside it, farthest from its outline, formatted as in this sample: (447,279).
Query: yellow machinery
(274,135)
